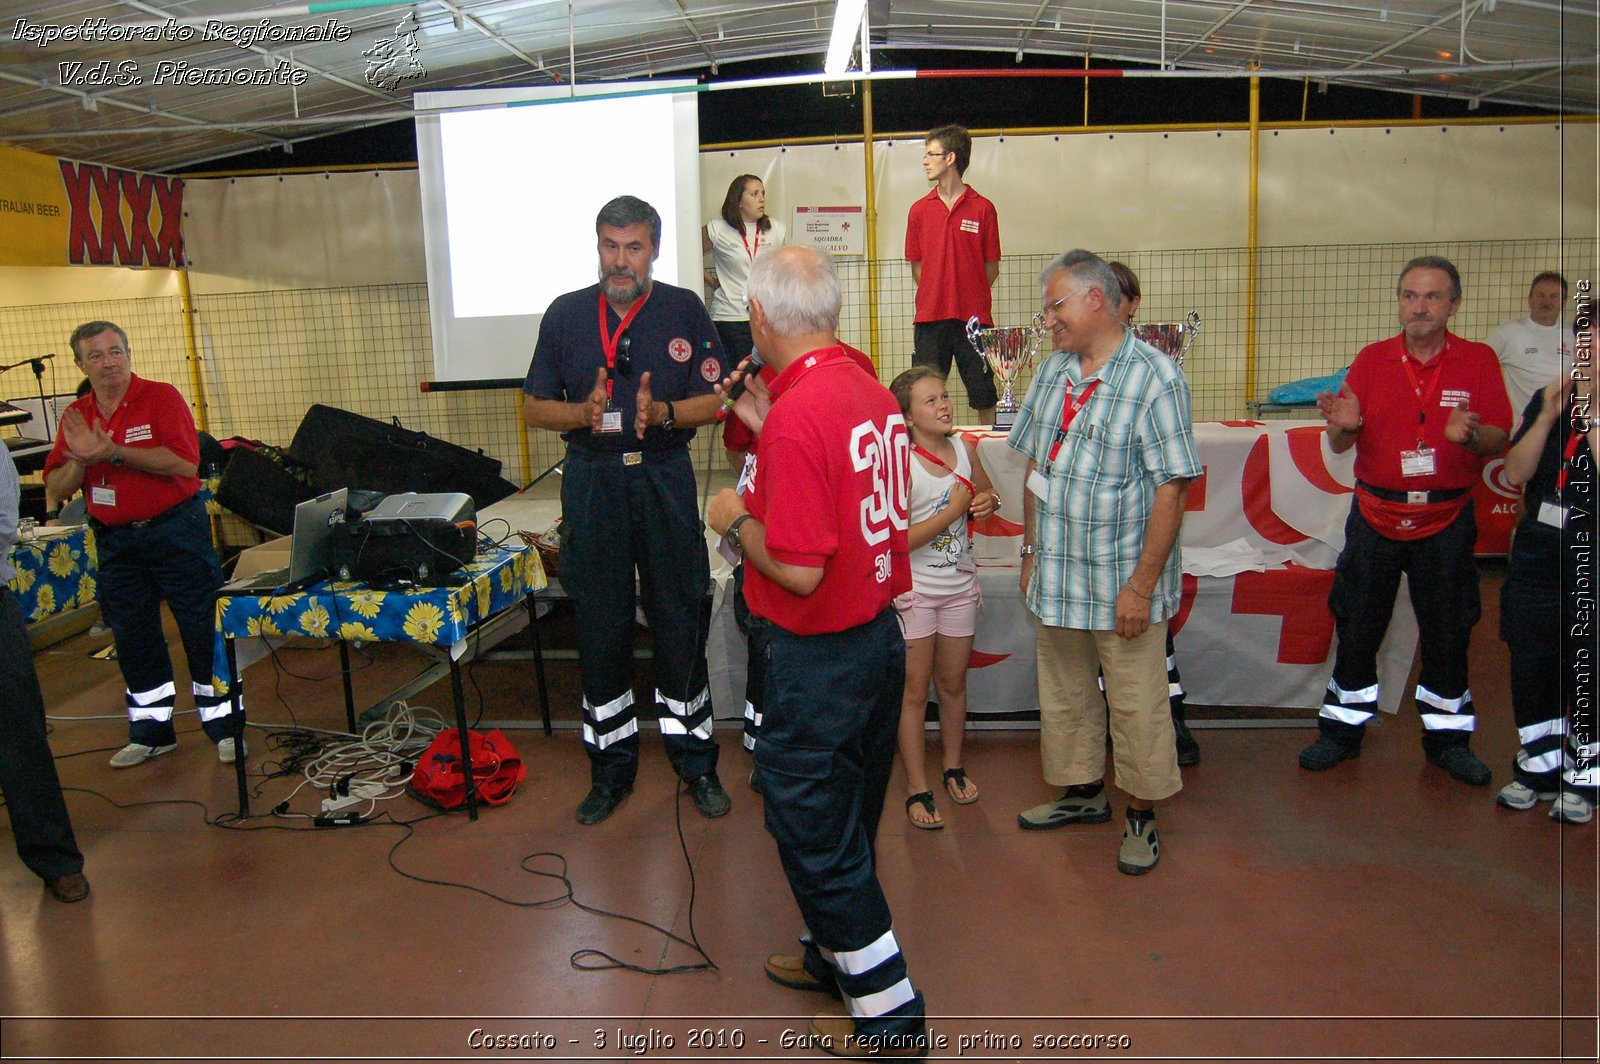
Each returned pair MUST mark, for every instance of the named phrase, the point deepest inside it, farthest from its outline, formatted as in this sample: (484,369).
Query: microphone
(753,366)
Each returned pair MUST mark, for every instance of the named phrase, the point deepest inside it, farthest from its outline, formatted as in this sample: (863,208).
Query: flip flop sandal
(924,799)
(956,782)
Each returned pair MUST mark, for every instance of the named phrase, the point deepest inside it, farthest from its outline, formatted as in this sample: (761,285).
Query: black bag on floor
(349,450)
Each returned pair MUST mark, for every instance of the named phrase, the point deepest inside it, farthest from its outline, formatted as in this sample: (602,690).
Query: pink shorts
(955,615)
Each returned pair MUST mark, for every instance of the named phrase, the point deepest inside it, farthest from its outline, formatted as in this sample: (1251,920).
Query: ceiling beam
(467,18)
(88,99)
(1033,24)
(683,13)
(1443,20)
(366,90)
(1205,35)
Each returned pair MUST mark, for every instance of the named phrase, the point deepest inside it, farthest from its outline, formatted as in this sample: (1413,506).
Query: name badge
(747,475)
(610,421)
(1418,463)
(103,496)
(1553,514)
(1039,484)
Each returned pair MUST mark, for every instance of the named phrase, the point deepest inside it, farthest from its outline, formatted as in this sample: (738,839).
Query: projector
(422,538)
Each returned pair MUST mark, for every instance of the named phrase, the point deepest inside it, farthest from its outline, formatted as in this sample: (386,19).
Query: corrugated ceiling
(206,90)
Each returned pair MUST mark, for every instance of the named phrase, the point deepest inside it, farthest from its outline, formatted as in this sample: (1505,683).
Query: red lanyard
(748,250)
(1070,406)
(1566,460)
(1423,391)
(608,340)
(918,449)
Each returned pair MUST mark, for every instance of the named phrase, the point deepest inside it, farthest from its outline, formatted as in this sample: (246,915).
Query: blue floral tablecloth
(437,616)
(55,574)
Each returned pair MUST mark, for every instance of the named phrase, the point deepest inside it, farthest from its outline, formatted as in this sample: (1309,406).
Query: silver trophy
(1173,337)
(1008,349)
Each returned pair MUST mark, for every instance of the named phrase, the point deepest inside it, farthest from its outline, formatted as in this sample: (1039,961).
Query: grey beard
(636,287)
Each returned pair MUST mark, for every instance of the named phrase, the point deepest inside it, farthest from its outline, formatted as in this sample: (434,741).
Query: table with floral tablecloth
(499,579)
(56,572)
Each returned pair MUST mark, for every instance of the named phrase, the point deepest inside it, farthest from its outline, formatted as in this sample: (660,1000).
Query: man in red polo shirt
(130,444)
(1424,411)
(953,245)
(823,533)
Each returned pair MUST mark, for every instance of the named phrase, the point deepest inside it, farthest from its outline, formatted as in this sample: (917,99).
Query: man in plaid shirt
(1106,430)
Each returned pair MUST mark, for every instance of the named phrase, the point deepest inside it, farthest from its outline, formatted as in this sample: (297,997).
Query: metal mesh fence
(266,356)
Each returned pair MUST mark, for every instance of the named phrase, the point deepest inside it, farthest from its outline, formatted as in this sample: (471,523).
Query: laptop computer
(310,548)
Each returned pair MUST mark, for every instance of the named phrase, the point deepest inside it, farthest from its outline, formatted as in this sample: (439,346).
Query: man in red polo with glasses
(1424,410)
(131,445)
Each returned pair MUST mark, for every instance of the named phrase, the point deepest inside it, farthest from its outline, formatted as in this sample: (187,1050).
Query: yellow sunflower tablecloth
(437,616)
(55,574)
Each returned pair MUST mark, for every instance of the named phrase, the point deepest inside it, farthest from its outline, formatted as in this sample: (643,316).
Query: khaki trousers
(1073,717)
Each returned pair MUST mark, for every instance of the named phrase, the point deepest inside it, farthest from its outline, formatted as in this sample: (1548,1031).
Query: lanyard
(750,249)
(1070,407)
(608,340)
(1423,391)
(798,369)
(918,449)
(1566,460)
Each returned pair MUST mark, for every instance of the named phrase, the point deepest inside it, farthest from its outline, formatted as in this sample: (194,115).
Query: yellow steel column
(1250,251)
(196,379)
(527,451)
(872,223)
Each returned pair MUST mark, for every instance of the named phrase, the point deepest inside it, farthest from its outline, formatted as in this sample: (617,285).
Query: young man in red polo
(953,245)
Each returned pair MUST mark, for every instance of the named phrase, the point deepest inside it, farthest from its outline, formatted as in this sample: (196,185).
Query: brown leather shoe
(789,969)
(69,888)
(836,1035)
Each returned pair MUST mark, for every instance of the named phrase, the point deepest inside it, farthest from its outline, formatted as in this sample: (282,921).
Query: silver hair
(798,289)
(1087,269)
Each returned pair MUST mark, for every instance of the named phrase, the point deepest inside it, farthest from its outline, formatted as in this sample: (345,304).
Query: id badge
(1418,463)
(747,475)
(1039,484)
(1553,514)
(103,496)
(610,421)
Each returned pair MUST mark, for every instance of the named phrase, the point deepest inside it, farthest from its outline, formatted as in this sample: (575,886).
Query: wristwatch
(1029,549)
(732,535)
(116,456)
(670,421)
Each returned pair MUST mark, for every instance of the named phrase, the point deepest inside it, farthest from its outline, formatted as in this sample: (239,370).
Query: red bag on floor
(439,781)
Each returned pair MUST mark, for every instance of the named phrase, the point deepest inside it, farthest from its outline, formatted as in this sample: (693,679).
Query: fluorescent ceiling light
(846,24)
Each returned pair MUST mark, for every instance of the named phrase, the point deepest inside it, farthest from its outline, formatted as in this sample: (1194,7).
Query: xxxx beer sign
(55,212)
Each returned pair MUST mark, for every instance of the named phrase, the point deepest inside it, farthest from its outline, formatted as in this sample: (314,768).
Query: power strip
(359,793)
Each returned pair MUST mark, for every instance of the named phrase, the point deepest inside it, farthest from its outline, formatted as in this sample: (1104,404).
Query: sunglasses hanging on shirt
(624,366)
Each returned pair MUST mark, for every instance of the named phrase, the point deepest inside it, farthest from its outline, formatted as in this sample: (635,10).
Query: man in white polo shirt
(1533,350)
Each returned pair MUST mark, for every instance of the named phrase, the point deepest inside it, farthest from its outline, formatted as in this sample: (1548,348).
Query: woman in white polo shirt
(734,240)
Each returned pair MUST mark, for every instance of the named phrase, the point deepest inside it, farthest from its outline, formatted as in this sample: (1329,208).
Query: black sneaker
(1327,752)
(601,802)
(1188,748)
(710,800)
(1459,760)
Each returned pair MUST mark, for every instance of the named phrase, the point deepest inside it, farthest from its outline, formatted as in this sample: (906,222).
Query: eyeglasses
(1055,307)
(624,361)
(936,154)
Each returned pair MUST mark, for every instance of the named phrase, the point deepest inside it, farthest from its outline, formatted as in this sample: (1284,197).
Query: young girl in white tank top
(940,613)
